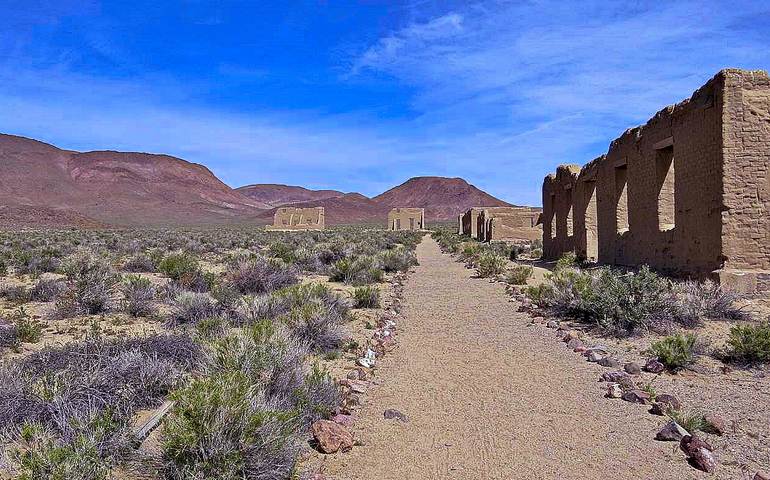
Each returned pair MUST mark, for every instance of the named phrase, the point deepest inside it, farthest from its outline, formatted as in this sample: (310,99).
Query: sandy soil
(491,396)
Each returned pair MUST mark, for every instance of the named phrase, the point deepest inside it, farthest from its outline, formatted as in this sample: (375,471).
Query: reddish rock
(622,378)
(343,419)
(571,335)
(575,344)
(609,362)
(636,396)
(393,414)
(654,366)
(671,432)
(762,476)
(664,403)
(699,453)
(331,437)
(632,368)
(716,424)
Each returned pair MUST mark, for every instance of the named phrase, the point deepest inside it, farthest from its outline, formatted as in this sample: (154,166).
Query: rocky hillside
(350,208)
(442,198)
(115,188)
(276,195)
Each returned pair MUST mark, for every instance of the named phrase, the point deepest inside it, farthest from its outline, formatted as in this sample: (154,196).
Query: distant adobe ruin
(291,218)
(511,224)
(406,219)
(687,193)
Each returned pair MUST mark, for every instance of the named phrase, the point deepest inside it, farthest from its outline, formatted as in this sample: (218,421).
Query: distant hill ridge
(42,185)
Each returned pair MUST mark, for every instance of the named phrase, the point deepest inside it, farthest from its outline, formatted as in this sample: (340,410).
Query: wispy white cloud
(503,91)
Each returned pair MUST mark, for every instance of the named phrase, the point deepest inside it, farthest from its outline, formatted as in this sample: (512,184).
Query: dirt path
(490,397)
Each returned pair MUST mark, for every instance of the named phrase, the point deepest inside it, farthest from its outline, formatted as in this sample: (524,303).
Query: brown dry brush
(70,406)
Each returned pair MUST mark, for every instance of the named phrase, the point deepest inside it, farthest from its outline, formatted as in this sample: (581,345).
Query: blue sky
(360,96)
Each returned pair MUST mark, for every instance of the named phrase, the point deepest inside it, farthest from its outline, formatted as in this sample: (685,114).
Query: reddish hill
(442,198)
(116,188)
(350,208)
(276,195)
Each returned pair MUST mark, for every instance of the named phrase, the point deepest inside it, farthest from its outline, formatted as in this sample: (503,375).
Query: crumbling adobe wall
(471,222)
(292,218)
(406,219)
(745,212)
(687,193)
(510,224)
(558,232)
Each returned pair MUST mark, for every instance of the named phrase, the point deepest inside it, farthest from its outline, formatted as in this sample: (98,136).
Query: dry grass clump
(399,259)
(46,290)
(140,263)
(185,271)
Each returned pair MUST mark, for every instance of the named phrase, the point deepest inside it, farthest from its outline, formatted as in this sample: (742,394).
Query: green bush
(397,260)
(28,331)
(567,260)
(220,427)
(750,342)
(675,351)
(519,274)
(177,266)
(39,455)
(539,294)
(490,264)
(366,297)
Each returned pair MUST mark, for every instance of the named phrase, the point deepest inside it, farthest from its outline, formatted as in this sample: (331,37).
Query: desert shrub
(35,262)
(46,290)
(38,453)
(536,253)
(243,420)
(397,260)
(697,300)
(539,294)
(9,334)
(675,351)
(749,342)
(3,267)
(221,427)
(567,260)
(140,263)
(283,251)
(192,307)
(83,395)
(357,271)
(212,327)
(176,266)
(28,331)
(469,250)
(316,325)
(366,297)
(17,294)
(90,285)
(260,307)
(490,264)
(519,274)
(260,275)
(138,296)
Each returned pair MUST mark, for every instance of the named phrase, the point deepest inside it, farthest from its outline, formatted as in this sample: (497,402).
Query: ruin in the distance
(508,224)
(687,193)
(406,219)
(292,218)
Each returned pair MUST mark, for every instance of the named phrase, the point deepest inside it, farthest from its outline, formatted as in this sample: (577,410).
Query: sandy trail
(490,397)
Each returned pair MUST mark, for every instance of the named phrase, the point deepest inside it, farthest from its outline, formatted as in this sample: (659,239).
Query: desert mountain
(346,209)
(115,188)
(276,195)
(442,198)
